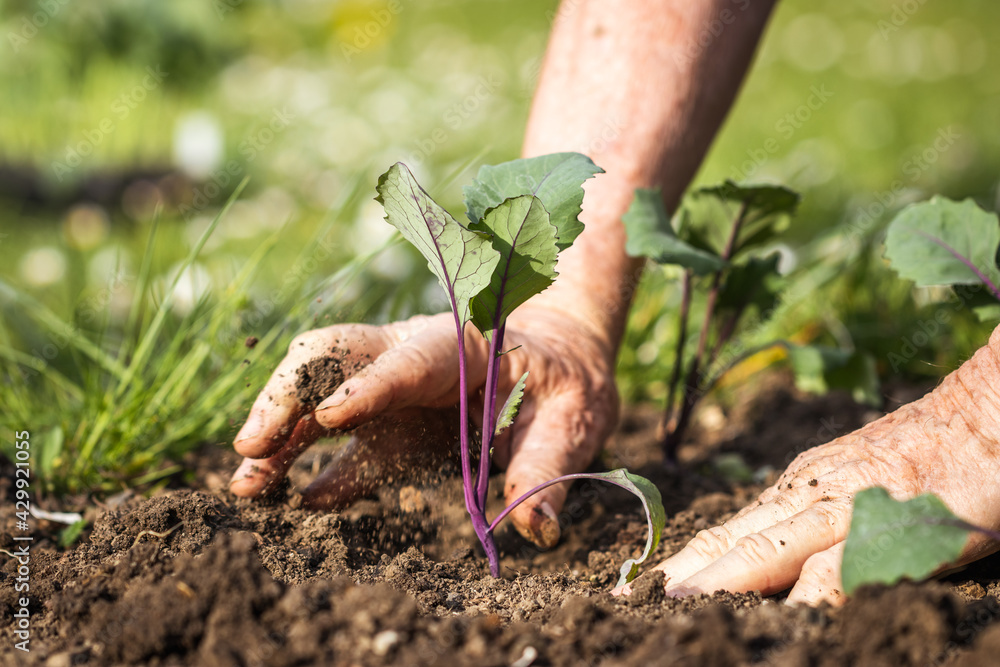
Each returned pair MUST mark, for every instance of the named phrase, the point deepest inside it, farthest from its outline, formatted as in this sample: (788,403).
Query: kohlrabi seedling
(719,238)
(934,243)
(521,215)
(944,242)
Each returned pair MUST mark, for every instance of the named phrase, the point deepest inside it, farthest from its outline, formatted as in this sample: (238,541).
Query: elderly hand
(947,442)
(400,408)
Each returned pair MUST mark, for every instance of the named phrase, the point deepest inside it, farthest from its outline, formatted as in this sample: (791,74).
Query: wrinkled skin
(947,442)
(566,416)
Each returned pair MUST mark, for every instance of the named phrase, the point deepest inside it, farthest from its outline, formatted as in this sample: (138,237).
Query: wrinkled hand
(948,443)
(400,408)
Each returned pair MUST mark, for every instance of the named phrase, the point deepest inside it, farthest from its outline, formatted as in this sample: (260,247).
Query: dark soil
(317,379)
(194,576)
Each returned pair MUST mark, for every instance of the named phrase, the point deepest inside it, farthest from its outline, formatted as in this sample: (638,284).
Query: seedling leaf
(556,179)
(71,533)
(652,503)
(890,540)
(942,242)
(462,260)
(748,283)
(707,214)
(656,517)
(764,199)
(512,405)
(526,241)
(651,235)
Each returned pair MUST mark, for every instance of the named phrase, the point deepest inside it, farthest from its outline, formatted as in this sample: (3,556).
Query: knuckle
(712,543)
(819,566)
(756,549)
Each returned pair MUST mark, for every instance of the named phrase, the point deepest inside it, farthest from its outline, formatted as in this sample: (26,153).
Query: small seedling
(719,239)
(521,215)
(933,243)
(944,242)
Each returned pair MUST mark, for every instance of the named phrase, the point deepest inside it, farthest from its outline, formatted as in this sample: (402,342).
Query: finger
(712,544)
(278,407)
(559,439)
(257,476)
(419,370)
(770,560)
(819,580)
(388,449)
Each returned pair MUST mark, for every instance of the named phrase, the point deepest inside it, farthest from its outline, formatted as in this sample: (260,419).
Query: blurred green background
(121,117)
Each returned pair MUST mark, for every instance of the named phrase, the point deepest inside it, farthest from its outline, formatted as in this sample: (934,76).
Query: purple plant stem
(489,413)
(675,375)
(958,523)
(471,503)
(475,508)
(964,260)
(692,386)
(565,478)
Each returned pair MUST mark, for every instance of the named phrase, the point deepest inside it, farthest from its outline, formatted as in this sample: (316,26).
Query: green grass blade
(149,338)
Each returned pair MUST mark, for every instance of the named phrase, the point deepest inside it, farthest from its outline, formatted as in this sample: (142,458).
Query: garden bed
(195,576)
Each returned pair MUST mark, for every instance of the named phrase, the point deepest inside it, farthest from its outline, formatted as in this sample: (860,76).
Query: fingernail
(336,399)
(622,590)
(251,429)
(548,529)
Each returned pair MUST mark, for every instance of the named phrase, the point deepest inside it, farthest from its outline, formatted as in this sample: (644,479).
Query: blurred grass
(366,83)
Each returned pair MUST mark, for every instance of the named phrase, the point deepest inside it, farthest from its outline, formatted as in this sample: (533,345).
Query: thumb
(421,370)
(560,438)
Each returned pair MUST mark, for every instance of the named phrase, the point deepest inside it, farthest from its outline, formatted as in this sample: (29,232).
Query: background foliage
(119,113)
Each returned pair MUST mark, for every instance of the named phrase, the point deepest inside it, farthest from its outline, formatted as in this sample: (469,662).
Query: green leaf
(511,406)
(647,492)
(820,368)
(942,242)
(890,540)
(526,241)
(51,447)
(652,503)
(462,260)
(656,517)
(751,282)
(990,313)
(651,235)
(764,200)
(556,179)
(70,534)
(859,376)
(707,214)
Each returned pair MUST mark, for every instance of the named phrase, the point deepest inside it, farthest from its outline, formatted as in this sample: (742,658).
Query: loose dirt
(195,576)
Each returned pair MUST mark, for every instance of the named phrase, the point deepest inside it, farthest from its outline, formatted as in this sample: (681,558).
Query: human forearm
(641,86)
